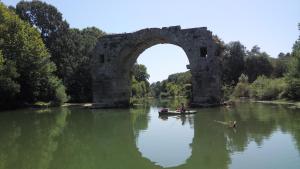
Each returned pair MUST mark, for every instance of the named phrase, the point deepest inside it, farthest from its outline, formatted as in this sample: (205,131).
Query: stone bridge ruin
(115,55)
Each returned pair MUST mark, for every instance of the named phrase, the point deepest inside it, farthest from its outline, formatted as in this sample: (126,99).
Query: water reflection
(267,136)
(166,142)
(28,140)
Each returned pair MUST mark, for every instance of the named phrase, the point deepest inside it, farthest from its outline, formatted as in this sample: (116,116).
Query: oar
(221,122)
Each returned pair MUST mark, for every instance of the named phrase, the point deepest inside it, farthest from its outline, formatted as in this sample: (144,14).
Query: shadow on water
(75,138)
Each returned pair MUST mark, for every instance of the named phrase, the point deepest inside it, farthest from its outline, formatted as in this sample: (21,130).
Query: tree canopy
(45,17)
(70,49)
(140,84)
(26,70)
(233,62)
(257,63)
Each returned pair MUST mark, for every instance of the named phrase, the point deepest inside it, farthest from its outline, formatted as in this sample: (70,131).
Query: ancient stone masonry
(115,55)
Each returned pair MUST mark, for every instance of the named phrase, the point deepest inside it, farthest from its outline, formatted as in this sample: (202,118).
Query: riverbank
(77,105)
(48,105)
(292,104)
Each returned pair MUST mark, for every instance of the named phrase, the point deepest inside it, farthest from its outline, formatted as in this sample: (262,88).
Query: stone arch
(114,56)
(143,46)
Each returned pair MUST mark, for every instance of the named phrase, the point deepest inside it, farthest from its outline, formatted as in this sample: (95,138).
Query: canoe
(171,112)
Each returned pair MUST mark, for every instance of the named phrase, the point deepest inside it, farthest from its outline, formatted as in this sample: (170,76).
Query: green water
(267,137)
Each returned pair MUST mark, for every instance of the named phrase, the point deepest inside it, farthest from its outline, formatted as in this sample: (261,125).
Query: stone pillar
(111,92)
(204,91)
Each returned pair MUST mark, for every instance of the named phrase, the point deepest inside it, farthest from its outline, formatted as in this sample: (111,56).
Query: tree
(45,17)
(75,62)
(293,75)
(71,49)
(139,84)
(255,51)
(233,62)
(280,65)
(257,63)
(173,89)
(178,84)
(155,89)
(53,29)
(8,84)
(26,62)
(181,78)
(140,72)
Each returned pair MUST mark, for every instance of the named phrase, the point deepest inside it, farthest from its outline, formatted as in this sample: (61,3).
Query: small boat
(174,112)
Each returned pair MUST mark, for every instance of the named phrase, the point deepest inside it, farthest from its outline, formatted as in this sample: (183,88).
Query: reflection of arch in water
(166,143)
(204,146)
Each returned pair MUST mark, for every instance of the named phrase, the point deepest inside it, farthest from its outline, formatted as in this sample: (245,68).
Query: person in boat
(182,108)
(164,110)
(232,124)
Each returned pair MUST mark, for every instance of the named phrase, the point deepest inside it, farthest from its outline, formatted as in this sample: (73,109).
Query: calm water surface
(267,137)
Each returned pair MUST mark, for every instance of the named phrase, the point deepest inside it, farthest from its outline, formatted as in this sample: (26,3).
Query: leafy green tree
(8,85)
(293,75)
(233,62)
(26,61)
(140,72)
(180,78)
(140,85)
(155,89)
(257,63)
(172,89)
(71,49)
(75,62)
(280,65)
(45,17)
(53,29)
(294,67)
(178,84)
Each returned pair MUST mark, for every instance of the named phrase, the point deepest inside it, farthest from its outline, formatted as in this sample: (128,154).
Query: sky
(270,24)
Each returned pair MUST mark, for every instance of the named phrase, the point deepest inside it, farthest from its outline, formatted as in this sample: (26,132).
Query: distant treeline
(177,84)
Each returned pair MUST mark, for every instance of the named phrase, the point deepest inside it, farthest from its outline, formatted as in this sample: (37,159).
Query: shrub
(242,89)
(264,88)
(293,89)
(227,91)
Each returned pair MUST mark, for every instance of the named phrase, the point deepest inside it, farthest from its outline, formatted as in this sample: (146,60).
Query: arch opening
(163,67)
(162,60)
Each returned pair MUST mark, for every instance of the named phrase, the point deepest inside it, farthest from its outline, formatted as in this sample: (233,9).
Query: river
(267,137)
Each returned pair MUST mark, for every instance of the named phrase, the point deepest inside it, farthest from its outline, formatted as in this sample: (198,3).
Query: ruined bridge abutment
(114,56)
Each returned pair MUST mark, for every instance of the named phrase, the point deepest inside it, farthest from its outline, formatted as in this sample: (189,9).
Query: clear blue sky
(271,24)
